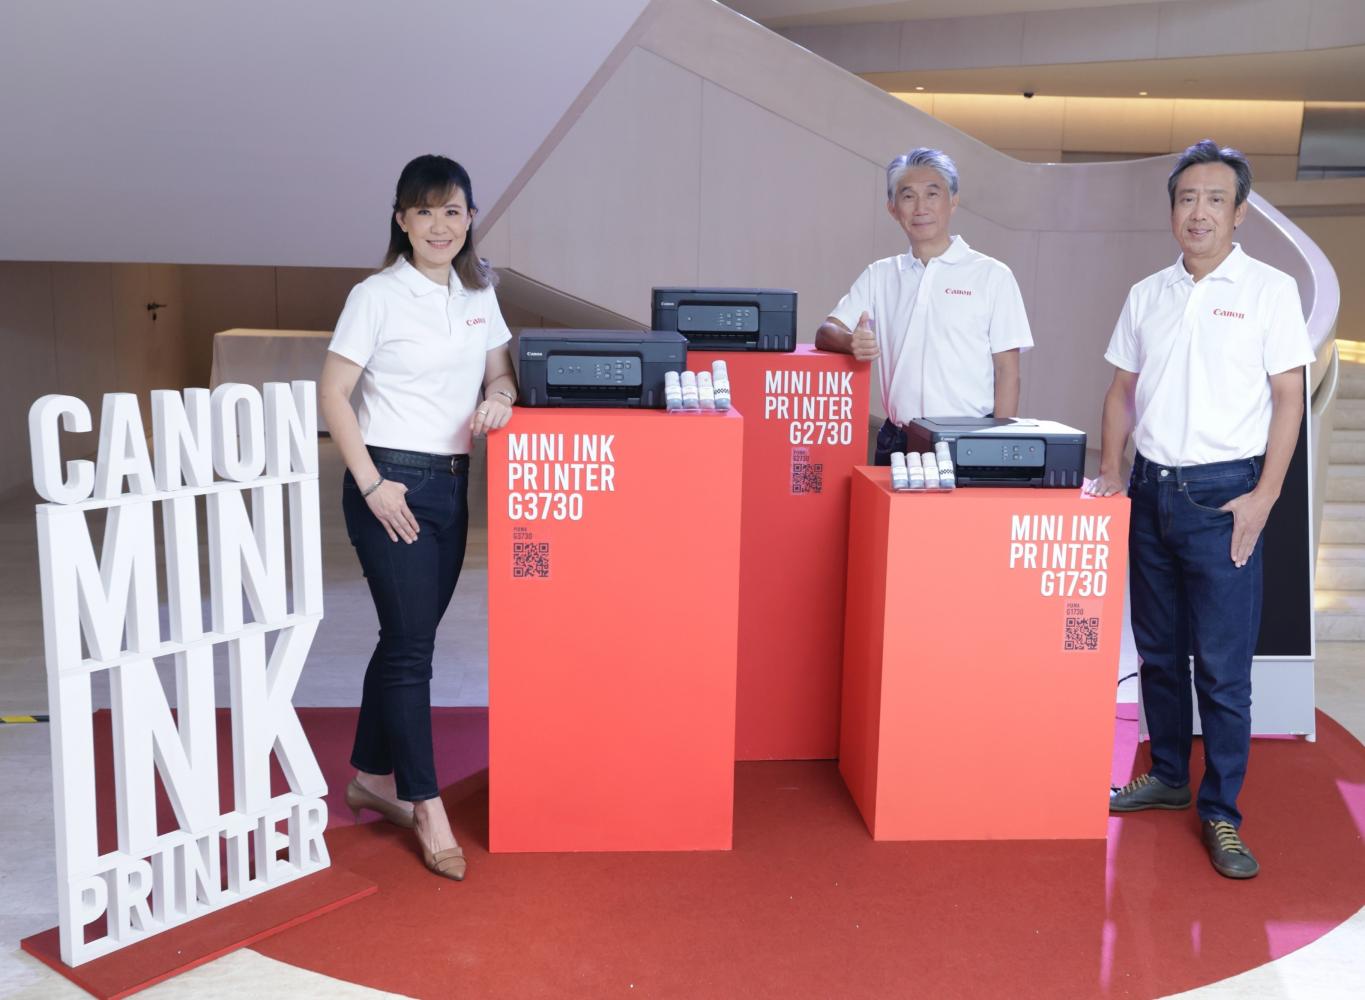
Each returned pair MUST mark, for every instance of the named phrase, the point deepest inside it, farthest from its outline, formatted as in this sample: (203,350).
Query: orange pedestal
(980,657)
(613,569)
(805,429)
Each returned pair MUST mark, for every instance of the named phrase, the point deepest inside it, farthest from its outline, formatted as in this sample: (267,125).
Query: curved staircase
(1340,585)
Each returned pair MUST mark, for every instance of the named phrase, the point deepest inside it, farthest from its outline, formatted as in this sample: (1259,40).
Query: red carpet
(807,905)
(146,963)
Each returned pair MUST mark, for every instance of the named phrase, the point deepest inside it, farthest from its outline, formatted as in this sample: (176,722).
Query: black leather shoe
(1145,792)
(1228,854)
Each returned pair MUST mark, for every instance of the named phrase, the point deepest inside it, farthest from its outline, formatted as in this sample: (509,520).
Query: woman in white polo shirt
(428,345)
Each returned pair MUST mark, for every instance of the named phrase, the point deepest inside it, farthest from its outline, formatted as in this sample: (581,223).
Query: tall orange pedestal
(980,657)
(805,429)
(613,569)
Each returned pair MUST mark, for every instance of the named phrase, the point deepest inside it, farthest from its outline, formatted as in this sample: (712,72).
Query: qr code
(807,476)
(530,559)
(1082,634)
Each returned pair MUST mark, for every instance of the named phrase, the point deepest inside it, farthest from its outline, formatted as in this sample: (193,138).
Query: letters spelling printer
(988,451)
(597,367)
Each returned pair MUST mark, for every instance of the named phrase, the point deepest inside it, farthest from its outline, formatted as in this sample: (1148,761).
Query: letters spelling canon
(264,444)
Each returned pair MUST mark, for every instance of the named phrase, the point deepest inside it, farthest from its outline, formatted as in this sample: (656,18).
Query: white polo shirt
(423,347)
(1204,352)
(937,327)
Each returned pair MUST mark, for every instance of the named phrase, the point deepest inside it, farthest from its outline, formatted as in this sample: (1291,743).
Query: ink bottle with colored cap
(689,390)
(706,394)
(720,379)
(930,470)
(672,391)
(915,467)
(900,475)
(947,478)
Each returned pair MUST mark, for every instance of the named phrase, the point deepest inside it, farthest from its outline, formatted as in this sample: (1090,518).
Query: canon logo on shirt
(1229,314)
(957,291)
(475,321)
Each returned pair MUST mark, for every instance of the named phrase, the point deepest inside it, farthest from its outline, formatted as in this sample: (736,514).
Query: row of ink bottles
(930,470)
(698,390)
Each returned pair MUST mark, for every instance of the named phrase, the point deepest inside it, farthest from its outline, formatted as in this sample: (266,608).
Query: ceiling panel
(793,13)
(1324,75)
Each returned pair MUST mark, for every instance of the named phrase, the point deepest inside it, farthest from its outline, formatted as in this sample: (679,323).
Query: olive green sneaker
(1146,792)
(1228,854)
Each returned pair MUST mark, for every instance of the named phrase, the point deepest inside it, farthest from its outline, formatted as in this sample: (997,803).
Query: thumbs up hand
(864,339)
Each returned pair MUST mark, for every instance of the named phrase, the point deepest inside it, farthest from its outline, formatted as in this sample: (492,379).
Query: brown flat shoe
(359,797)
(449,863)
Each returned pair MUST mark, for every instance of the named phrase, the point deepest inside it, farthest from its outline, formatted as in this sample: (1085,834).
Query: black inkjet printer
(597,367)
(1005,452)
(728,319)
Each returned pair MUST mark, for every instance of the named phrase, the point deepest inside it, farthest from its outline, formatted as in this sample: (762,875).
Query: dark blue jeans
(890,438)
(1189,597)
(411,586)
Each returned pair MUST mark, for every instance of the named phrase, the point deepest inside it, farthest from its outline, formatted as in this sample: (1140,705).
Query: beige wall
(766,169)
(270,298)
(28,331)
(85,330)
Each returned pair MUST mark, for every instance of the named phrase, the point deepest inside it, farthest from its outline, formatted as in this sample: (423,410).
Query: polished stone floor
(1333,966)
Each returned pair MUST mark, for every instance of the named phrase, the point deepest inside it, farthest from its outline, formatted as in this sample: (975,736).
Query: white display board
(101,614)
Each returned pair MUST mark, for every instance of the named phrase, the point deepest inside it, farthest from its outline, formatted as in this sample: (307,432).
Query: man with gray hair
(947,322)
(1209,358)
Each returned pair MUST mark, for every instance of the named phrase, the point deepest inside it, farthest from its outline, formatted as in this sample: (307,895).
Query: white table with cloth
(255,357)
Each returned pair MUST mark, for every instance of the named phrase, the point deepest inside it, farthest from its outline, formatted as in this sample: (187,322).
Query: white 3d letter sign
(101,614)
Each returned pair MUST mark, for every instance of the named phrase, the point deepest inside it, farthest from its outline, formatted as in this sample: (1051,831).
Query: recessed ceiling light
(1142,93)
(919,88)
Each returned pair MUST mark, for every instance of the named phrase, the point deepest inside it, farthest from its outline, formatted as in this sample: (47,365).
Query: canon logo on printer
(535,354)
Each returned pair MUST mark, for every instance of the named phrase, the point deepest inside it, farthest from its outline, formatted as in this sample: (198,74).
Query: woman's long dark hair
(427,182)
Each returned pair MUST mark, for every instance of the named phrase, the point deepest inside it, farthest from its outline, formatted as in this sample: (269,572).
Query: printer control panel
(701,318)
(1001,452)
(588,369)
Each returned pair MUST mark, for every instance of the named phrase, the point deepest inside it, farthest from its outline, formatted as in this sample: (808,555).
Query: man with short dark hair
(1209,359)
(947,321)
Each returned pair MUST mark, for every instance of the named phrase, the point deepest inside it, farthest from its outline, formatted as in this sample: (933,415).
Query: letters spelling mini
(261,444)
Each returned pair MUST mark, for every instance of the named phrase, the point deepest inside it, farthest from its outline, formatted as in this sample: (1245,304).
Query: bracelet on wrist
(377,483)
(503,392)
